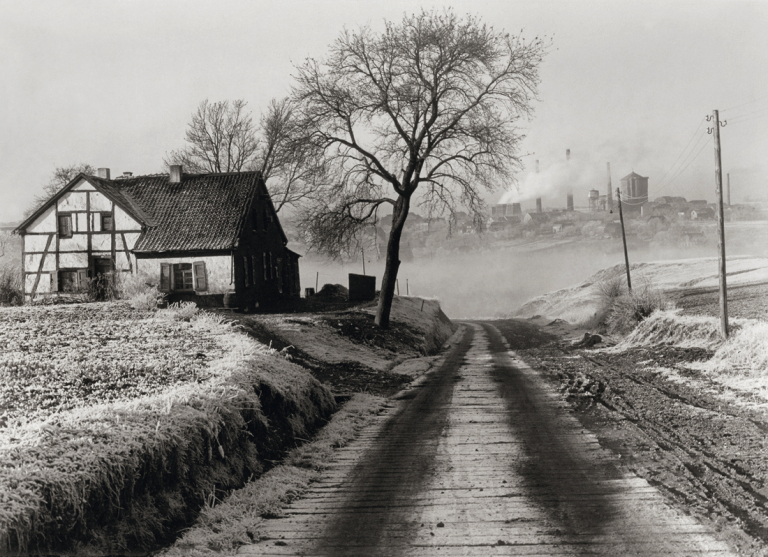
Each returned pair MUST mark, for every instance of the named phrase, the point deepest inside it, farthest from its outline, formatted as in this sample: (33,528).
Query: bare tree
(429,105)
(290,165)
(221,138)
(61,176)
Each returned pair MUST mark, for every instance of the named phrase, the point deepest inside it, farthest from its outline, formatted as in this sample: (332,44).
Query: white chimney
(103,173)
(176,172)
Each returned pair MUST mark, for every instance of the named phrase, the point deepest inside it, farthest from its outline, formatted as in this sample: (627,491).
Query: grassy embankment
(118,424)
(739,364)
(225,525)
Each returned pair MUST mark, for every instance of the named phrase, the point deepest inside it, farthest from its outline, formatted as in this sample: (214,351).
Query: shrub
(10,286)
(180,311)
(630,308)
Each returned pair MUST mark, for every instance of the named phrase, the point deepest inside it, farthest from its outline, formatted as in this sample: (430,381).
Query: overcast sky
(114,83)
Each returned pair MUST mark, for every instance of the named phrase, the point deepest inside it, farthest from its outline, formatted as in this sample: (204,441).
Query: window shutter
(82,279)
(165,277)
(201,281)
(54,281)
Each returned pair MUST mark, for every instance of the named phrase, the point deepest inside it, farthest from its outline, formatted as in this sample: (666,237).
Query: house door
(101,266)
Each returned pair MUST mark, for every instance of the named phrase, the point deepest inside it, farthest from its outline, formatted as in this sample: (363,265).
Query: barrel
(230,299)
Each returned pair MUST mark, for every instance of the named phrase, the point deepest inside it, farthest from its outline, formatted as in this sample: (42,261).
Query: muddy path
(483,457)
(707,454)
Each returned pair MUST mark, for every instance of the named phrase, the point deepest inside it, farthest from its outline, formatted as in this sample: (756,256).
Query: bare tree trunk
(399,214)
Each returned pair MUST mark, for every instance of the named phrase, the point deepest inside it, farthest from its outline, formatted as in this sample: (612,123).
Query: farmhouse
(199,235)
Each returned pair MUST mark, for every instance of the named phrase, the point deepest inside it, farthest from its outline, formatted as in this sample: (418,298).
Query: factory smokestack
(569,198)
(609,193)
(538,204)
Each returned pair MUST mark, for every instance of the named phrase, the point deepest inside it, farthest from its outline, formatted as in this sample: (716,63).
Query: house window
(107,222)
(65,225)
(182,276)
(73,280)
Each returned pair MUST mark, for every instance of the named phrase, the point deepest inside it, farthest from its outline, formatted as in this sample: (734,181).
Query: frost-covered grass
(56,358)
(176,410)
(740,363)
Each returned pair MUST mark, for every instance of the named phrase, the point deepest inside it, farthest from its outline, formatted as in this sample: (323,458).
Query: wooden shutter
(82,279)
(201,281)
(54,281)
(165,277)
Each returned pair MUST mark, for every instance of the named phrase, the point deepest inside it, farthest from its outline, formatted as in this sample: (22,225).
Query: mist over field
(494,283)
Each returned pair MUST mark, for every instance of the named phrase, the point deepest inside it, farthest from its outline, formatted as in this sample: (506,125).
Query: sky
(114,84)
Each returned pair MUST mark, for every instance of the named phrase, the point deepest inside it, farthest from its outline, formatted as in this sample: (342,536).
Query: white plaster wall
(73,201)
(43,287)
(123,221)
(81,224)
(32,262)
(123,261)
(78,242)
(100,202)
(101,254)
(131,237)
(84,185)
(73,260)
(218,268)
(37,243)
(95,223)
(101,242)
(45,222)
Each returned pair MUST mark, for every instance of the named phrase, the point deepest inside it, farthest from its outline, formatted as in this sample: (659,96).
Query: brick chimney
(103,173)
(176,172)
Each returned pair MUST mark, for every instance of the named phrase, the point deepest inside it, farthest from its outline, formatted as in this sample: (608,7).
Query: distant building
(703,213)
(669,200)
(535,218)
(634,192)
(506,209)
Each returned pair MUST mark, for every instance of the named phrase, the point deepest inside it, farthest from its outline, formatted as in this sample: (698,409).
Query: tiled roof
(202,212)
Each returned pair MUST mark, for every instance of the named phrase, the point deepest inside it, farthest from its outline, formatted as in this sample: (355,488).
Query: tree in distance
(429,105)
(61,176)
(222,137)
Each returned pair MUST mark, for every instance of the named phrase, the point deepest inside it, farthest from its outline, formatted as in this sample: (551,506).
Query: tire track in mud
(481,459)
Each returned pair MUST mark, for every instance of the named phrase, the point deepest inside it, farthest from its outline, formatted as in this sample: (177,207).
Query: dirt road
(481,458)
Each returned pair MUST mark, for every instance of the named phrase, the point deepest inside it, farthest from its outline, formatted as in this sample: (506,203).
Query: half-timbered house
(199,235)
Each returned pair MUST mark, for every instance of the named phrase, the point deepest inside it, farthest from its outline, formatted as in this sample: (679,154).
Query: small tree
(223,138)
(428,105)
(61,176)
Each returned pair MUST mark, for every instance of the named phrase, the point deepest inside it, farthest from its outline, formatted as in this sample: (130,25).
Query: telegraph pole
(715,131)
(624,238)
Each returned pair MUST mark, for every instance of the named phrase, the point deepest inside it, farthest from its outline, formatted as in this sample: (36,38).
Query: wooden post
(397,285)
(624,239)
(407,290)
(317,279)
(362,251)
(720,227)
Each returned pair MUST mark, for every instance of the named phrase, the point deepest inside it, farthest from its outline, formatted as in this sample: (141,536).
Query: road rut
(482,458)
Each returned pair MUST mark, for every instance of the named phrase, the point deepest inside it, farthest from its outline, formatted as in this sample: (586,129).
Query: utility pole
(715,131)
(624,239)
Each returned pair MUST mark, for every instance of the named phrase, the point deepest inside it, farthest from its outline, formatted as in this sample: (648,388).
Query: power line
(750,113)
(744,104)
(683,151)
(685,167)
(687,160)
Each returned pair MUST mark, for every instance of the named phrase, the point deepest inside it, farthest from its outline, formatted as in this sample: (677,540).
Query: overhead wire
(744,104)
(662,188)
(683,151)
